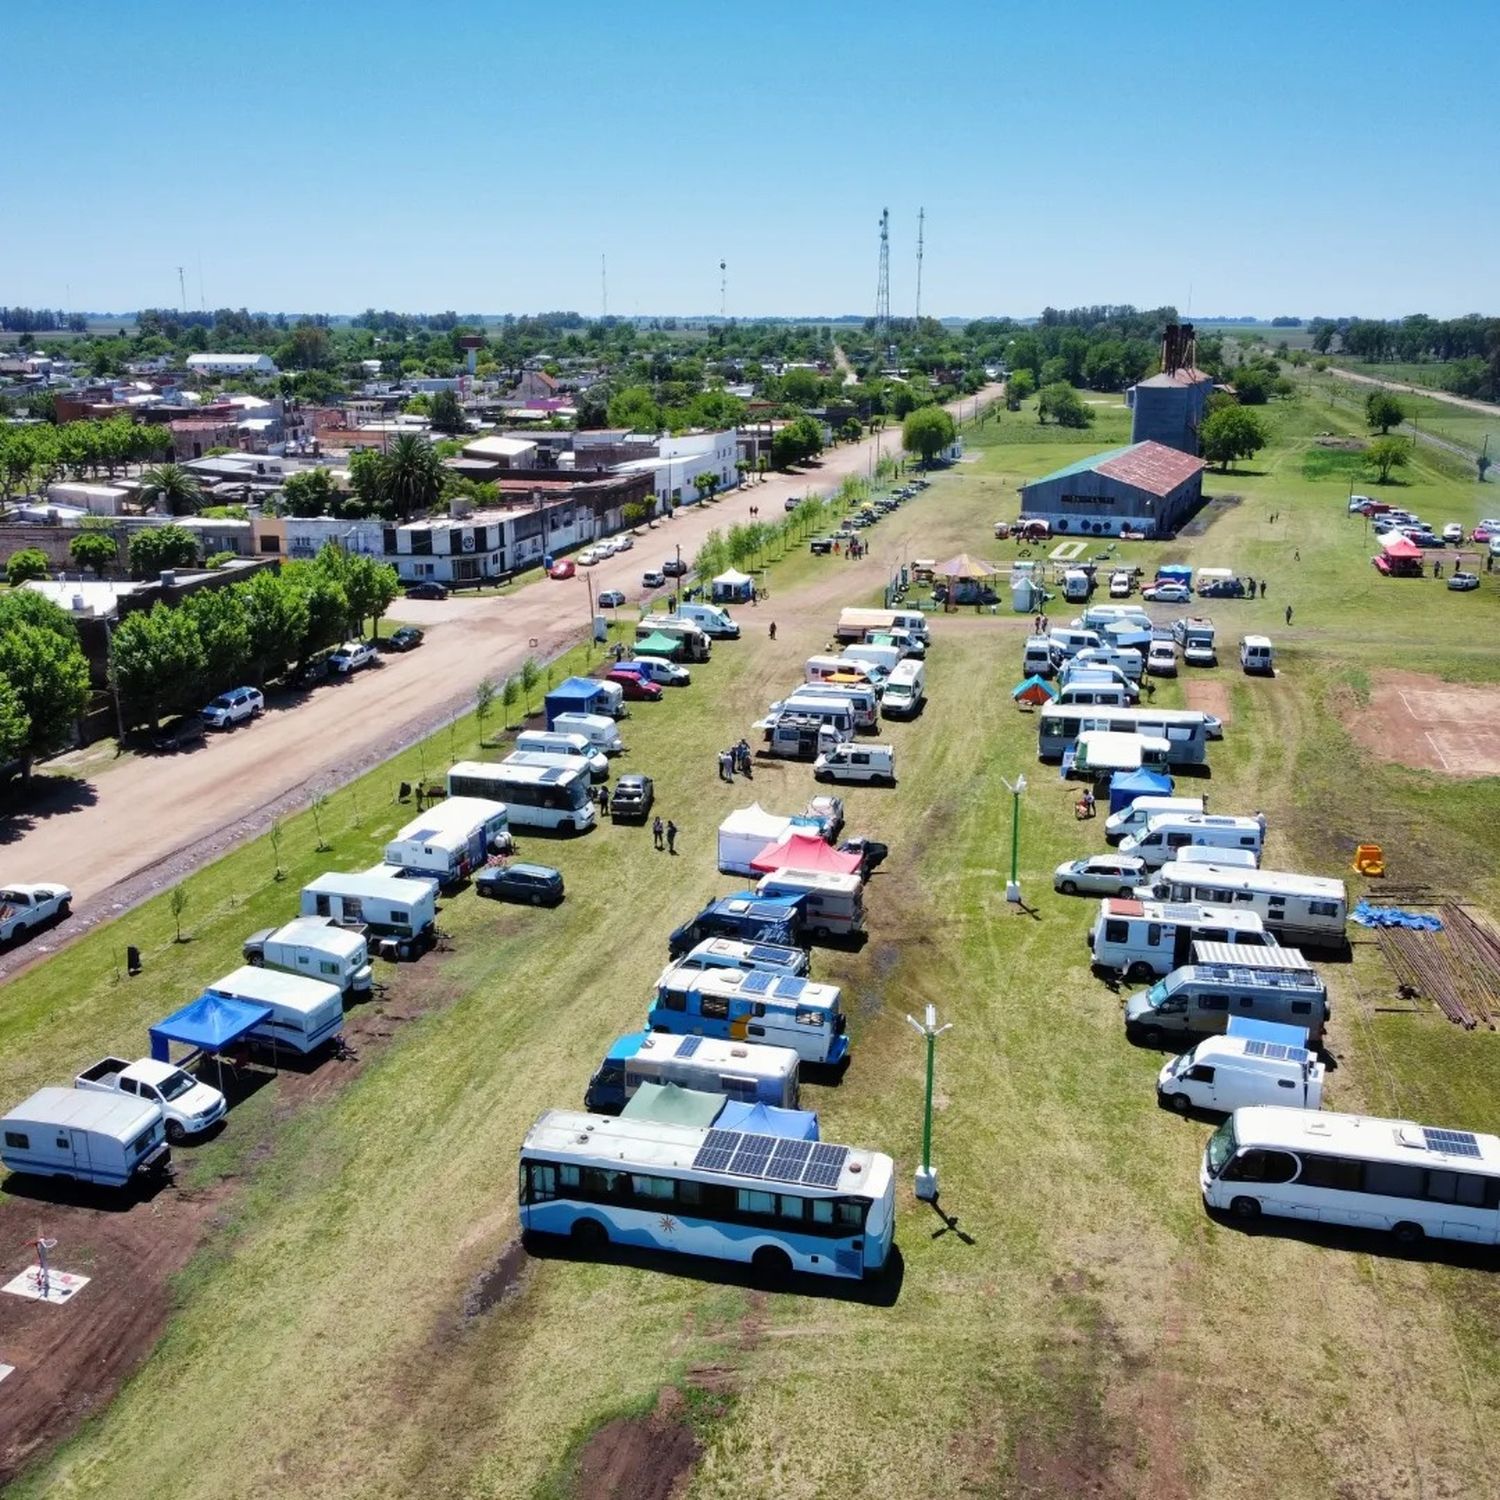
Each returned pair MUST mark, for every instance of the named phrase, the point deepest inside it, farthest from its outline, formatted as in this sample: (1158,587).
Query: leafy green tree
(325,607)
(419,405)
(530,675)
(15,723)
(161,547)
(41,659)
(1064,405)
(484,701)
(1385,455)
(851,430)
(635,408)
(159,662)
(309,493)
(510,695)
(1020,385)
(927,431)
(28,563)
(369,586)
(1253,385)
(219,617)
(171,487)
(413,476)
(96,550)
(447,414)
(704,484)
(1230,432)
(1054,372)
(276,619)
(1384,411)
(802,387)
(367,480)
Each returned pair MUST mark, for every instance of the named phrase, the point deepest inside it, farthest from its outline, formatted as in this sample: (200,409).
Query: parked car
(427,588)
(564,567)
(1462,582)
(664,672)
(1213,727)
(1481,533)
(871,853)
(1223,588)
(820,545)
(407,638)
(791,502)
(237,706)
(538,885)
(350,657)
(188,1106)
(180,734)
(674,567)
(1120,585)
(634,686)
(828,813)
(1100,875)
(1358,503)
(1453,532)
(24,908)
(632,798)
(1167,593)
(652,579)
(611,599)
(1161,659)
(624,542)
(309,673)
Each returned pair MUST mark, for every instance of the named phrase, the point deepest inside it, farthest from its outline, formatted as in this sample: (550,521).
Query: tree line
(32,456)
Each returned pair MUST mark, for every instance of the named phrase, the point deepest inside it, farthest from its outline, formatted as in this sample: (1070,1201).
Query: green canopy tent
(659,644)
(671,1104)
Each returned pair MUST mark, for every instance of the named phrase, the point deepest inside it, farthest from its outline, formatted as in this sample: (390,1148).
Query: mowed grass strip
(1097,1328)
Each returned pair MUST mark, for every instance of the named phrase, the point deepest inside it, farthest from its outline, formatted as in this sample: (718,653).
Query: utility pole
(930,1031)
(921,217)
(723,290)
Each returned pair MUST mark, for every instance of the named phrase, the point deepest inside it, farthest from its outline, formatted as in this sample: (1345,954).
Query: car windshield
(1221,1146)
(1157,994)
(222,701)
(175,1085)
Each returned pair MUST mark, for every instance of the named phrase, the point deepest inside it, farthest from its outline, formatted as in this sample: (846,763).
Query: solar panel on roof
(553,774)
(716,1150)
(1276,1050)
(789,987)
(689,1046)
(789,1160)
(767,953)
(826,1166)
(752,1155)
(758,982)
(1451,1142)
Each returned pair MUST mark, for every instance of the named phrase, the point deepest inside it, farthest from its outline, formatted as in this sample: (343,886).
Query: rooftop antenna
(723,287)
(921,217)
(883,286)
(604,285)
(181,290)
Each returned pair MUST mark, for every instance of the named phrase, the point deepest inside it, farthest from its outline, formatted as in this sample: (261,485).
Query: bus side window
(1116,932)
(1213,1002)
(543,1182)
(1153,934)
(1262,1166)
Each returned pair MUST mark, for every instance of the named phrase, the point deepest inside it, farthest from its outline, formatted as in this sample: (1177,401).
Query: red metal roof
(1153,467)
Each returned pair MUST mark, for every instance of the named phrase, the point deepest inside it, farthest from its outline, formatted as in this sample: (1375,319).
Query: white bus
(1297,908)
(776,1010)
(1411,1180)
(1184,729)
(776,1204)
(534,796)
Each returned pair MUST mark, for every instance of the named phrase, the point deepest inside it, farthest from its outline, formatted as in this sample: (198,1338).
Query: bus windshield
(1221,1146)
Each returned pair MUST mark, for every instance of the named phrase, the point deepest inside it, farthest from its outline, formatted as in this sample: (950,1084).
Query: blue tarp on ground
(210,1024)
(765,1119)
(1393,916)
(1126,786)
(575,695)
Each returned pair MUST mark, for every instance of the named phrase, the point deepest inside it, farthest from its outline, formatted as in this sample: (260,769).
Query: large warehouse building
(1147,488)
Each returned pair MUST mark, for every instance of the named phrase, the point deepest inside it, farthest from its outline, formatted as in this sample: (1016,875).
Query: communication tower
(883,288)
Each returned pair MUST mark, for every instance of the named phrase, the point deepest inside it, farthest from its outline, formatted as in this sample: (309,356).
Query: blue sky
(1282,158)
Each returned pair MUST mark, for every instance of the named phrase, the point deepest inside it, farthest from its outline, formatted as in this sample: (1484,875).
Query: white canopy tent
(733,586)
(744,833)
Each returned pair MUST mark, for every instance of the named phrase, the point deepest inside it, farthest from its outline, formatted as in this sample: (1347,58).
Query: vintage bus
(1184,729)
(779,1010)
(534,796)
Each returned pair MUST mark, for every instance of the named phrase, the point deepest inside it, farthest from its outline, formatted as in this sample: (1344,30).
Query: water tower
(471,344)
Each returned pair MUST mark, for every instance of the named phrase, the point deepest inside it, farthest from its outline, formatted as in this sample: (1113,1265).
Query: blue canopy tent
(575,695)
(209,1024)
(1126,786)
(766,1119)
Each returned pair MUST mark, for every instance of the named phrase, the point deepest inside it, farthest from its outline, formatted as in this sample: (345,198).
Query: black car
(180,735)
(674,567)
(537,885)
(820,544)
(1223,588)
(309,673)
(408,638)
(632,798)
(871,852)
(429,589)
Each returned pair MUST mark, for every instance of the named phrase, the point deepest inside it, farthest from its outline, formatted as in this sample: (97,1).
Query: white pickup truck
(189,1107)
(24,908)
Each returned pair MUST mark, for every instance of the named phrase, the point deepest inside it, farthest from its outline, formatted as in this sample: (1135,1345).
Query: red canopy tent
(804,851)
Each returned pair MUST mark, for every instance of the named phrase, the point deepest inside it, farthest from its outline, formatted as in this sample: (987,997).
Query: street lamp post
(1013,886)
(927,1177)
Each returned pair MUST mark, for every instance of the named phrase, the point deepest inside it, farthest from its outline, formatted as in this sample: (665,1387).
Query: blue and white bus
(776,1204)
(1184,729)
(779,1010)
(747,1071)
(534,796)
(728,953)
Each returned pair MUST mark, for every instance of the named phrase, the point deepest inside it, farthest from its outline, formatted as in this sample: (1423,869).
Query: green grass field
(1089,1331)
(1459,424)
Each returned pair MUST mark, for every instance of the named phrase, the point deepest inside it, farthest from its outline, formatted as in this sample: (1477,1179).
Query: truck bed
(102,1073)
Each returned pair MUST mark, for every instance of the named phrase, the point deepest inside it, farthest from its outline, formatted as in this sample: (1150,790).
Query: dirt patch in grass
(639,1458)
(1206,515)
(497,1282)
(1208,696)
(1429,725)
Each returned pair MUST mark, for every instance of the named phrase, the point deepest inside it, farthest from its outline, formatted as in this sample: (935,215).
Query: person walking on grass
(656,831)
(773,630)
(1289,614)
(671,837)
(1263,588)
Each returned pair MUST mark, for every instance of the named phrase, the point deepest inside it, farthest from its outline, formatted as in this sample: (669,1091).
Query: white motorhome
(887,658)
(863,700)
(1128,661)
(1142,938)
(835,901)
(828,708)
(82,1136)
(1068,642)
(400,910)
(1076,585)
(906,690)
(1133,819)
(450,840)
(853,623)
(305,1013)
(1166,833)
(832,670)
(316,947)
(1091,687)
(1204,854)
(1308,909)
(551,742)
(1257,656)
(692,640)
(712,619)
(602,733)
(1097,616)
(1226,1073)
(1036,657)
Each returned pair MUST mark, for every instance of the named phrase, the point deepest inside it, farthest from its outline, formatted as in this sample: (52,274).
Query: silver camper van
(1166,833)
(1199,999)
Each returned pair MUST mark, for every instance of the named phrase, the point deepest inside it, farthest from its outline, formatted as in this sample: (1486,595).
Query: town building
(218,365)
(1146,488)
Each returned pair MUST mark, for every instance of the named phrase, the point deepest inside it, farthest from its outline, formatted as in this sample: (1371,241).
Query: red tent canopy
(804,851)
(1399,546)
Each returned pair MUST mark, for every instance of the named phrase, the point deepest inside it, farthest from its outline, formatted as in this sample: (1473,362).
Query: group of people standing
(736,761)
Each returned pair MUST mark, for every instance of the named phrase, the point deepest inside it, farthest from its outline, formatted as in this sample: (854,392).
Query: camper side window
(1213,1002)
(1116,932)
(1153,934)
(325,966)
(17,1141)
(1323,908)
(674,1002)
(715,1007)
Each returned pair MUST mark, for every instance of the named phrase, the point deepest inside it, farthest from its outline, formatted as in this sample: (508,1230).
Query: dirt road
(142,823)
(1485,408)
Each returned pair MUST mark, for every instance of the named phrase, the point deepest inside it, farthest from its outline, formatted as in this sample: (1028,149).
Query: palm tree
(172,487)
(413,475)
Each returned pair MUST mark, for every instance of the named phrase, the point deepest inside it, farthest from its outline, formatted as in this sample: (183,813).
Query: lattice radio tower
(921,216)
(883,289)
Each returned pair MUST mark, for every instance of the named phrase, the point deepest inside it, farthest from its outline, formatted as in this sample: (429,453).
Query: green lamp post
(927,1177)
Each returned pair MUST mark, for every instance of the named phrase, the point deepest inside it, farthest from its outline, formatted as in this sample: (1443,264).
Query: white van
(1075,585)
(860,702)
(1069,642)
(552,742)
(1142,938)
(602,733)
(884,657)
(1094,689)
(1166,833)
(1036,658)
(906,691)
(1226,1073)
(834,904)
(305,1013)
(904,640)
(1128,660)
(851,762)
(1097,616)
(712,619)
(82,1136)
(1257,655)
(1133,819)
(1199,999)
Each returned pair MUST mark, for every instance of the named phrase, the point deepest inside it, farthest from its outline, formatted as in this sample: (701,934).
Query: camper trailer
(305,1013)
(834,902)
(451,840)
(854,623)
(693,640)
(1141,938)
(79,1135)
(736,1068)
(1308,909)
(401,911)
(316,947)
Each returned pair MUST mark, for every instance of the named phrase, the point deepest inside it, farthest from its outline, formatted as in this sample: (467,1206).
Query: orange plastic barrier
(1369,859)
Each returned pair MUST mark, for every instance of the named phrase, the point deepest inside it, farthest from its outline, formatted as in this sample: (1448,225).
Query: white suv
(1161,659)
(351,656)
(237,706)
